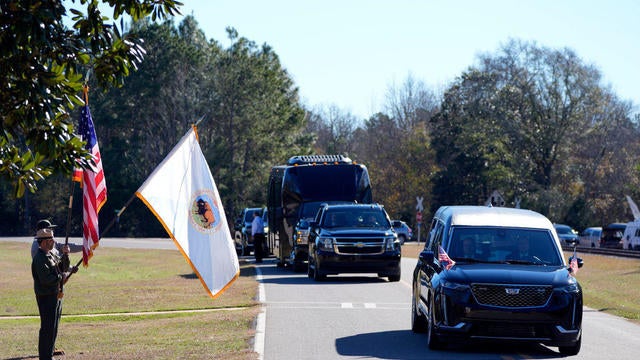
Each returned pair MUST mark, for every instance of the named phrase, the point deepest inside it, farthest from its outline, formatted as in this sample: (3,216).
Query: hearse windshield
(504,245)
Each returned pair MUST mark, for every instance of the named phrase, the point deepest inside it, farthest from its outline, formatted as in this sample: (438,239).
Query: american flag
(444,259)
(573,263)
(94,187)
(573,266)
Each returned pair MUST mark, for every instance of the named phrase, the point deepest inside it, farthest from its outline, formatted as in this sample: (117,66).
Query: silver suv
(403,230)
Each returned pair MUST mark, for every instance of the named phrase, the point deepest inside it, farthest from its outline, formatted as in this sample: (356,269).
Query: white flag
(634,208)
(183,196)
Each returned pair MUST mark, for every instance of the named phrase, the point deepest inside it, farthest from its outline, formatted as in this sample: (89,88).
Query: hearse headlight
(450,285)
(571,288)
(456,292)
(325,243)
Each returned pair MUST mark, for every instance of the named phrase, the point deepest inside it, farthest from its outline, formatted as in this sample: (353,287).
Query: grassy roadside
(610,284)
(129,281)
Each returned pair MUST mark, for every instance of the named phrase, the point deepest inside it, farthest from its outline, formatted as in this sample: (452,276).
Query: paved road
(363,317)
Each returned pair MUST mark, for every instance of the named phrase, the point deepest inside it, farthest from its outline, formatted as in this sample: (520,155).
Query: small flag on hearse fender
(573,263)
(444,258)
(573,266)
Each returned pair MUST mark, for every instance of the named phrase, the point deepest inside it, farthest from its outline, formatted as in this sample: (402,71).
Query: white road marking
(335,305)
(258,342)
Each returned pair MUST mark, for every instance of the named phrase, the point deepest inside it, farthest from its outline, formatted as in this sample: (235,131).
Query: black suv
(353,238)
(496,274)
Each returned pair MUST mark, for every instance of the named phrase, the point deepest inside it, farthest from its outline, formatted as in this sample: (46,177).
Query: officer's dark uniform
(47,271)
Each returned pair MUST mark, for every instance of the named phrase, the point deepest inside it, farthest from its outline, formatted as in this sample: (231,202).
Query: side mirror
(426,256)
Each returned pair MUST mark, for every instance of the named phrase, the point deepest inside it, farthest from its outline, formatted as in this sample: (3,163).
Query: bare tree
(410,103)
(334,130)
(539,121)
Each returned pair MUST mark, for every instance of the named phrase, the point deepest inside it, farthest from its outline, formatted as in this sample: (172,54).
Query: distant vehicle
(242,226)
(496,274)
(567,235)
(403,230)
(353,238)
(591,236)
(295,193)
(631,236)
(611,236)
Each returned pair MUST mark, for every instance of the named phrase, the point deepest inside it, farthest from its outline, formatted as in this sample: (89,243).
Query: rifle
(68,228)
(65,262)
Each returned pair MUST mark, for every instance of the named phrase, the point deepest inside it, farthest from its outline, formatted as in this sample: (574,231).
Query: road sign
(419,217)
(419,207)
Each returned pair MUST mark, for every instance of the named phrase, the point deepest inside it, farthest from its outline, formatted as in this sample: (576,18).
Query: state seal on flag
(204,212)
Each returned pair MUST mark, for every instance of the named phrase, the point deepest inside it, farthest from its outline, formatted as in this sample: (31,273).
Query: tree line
(534,123)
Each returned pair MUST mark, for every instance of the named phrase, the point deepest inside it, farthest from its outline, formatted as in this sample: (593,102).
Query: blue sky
(347,53)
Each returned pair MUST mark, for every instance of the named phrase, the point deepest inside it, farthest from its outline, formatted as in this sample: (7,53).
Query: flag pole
(199,121)
(85,92)
(69,208)
(65,256)
(113,221)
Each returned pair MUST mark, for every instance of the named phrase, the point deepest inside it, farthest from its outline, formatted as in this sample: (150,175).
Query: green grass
(120,282)
(610,284)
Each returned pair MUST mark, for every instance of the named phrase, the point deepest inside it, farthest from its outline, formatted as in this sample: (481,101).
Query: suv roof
(318,159)
(563,229)
(494,216)
(615,226)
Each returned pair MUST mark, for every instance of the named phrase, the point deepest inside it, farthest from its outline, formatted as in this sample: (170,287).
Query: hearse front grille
(511,296)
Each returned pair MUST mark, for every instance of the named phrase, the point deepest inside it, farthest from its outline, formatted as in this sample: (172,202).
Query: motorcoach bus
(296,191)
